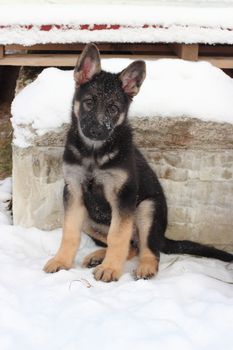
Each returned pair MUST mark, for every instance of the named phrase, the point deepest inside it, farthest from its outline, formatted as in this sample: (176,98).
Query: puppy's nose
(98,133)
(95,132)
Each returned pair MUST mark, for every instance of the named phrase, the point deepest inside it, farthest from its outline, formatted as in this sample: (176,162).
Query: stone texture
(198,194)
(37,187)
(163,133)
(192,158)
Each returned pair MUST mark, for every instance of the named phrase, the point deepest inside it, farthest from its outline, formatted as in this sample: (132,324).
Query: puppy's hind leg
(148,260)
(95,258)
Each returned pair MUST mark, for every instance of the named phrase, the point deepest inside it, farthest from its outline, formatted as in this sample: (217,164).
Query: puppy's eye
(113,109)
(88,104)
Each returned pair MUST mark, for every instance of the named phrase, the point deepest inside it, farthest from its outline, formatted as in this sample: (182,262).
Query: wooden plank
(214,50)
(137,47)
(69,60)
(103,47)
(1,51)
(61,60)
(220,62)
(186,51)
(46,47)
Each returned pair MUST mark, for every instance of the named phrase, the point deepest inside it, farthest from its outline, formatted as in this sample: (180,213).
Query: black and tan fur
(110,190)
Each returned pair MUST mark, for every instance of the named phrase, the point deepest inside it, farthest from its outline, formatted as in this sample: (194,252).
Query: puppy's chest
(99,187)
(88,175)
(92,179)
(92,173)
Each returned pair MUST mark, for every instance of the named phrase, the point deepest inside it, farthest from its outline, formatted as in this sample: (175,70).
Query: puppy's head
(102,99)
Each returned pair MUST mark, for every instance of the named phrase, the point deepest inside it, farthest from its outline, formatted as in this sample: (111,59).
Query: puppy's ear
(88,64)
(132,77)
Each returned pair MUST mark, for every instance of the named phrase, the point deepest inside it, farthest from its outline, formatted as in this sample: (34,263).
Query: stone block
(193,160)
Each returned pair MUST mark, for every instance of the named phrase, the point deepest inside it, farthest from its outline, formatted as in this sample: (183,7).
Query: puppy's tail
(187,247)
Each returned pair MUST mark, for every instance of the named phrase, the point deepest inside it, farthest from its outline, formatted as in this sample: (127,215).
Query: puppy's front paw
(54,265)
(106,273)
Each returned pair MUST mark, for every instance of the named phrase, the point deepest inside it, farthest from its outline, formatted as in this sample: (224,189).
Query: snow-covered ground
(172,88)
(188,306)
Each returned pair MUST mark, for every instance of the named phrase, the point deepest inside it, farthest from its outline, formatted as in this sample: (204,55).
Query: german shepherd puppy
(110,190)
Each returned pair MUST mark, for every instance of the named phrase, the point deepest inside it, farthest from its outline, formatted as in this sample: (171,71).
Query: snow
(5,198)
(126,14)
(172,88)
(174,33)
(38,14)
(188,306)
(174,23)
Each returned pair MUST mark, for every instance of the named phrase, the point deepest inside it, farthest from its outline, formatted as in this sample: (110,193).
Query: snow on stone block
(172,88)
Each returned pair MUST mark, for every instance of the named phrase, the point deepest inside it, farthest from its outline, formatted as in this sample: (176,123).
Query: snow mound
(173,88)
(5,198)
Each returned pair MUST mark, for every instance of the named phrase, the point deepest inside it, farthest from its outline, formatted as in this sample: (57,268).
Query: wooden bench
(66,54)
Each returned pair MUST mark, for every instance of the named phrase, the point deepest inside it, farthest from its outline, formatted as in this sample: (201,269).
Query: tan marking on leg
(120,231)
(73,221)
(118,249)
(102,237)
(90,231)
(95,258)
(148,263)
